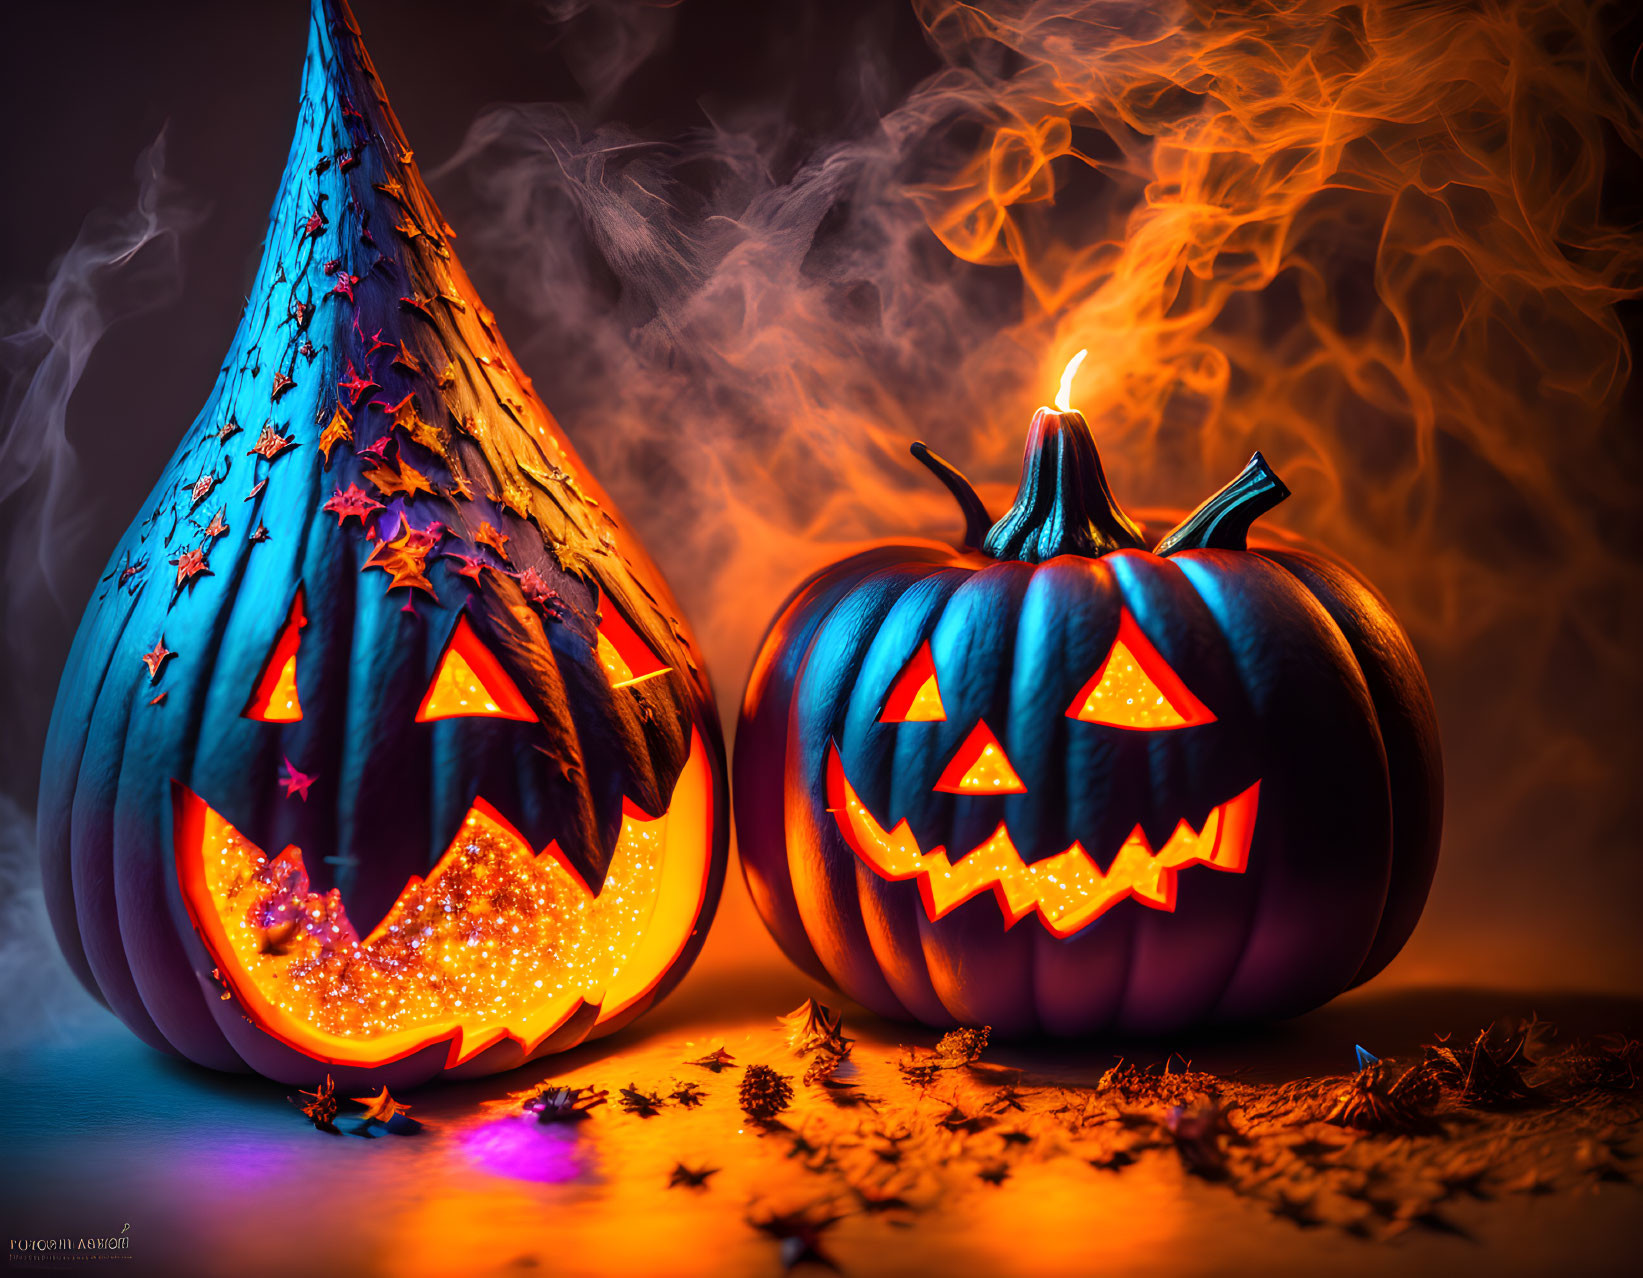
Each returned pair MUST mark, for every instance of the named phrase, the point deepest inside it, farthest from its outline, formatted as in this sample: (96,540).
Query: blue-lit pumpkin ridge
(375,615)
(1070,779)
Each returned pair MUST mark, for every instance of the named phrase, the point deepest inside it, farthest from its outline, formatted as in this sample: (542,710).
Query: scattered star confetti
(644,1104)
(156,658)
(191,566)
(354,503)
(684,1177)
(564,1104)
(381,1108)
(400,477)
(404,562)
(490,535)
(202,489)
(270,443)
(295,782)
(339,430)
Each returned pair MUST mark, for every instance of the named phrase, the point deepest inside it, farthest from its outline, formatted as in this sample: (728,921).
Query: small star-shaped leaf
(406,418)
(296,782)
(218,525)
(355,503)
(191,566)
(690,1177)
(716,1061)
(260,533)
(380,1108)
(344,287)
(355,385)
(156,658)
(495,538)
(339,430)
(314,225)
(400,477)
(270,443)
(644,1104)
(302,312)
(227,431)
(424,539)
(564,1104)
(201,489)
(282,383)
(812,1026)
(405,563)
(687,1094)
(799,1235)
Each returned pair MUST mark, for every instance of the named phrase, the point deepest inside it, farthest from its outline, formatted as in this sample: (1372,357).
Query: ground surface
(218,1175)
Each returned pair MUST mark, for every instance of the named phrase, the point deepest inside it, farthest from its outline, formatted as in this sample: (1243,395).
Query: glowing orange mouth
(1068,891)
(497,942)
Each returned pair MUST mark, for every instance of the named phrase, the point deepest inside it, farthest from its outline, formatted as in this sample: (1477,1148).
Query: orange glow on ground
(470,681)
(916,697)
(1136,688)
(980,767)
(498,942)
(1068,890)
(276,699)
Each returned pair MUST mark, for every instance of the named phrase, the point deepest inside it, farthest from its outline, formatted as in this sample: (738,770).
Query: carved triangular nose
(980,767)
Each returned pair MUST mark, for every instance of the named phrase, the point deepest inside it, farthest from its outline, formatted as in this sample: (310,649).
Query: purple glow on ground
(524,1149)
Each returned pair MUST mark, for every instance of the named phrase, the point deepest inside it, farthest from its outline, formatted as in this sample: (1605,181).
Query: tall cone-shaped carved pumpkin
(382,750)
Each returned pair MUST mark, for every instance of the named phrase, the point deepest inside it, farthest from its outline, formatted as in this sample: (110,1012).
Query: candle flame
(1063,397)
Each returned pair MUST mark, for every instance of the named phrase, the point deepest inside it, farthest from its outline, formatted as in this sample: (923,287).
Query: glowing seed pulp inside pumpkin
(493,933)
(497,943)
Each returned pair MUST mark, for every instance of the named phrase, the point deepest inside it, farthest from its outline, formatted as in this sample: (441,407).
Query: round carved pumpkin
(1068,780)
(381,750)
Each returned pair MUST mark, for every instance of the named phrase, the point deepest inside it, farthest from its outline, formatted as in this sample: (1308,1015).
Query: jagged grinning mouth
(497,942)
(1067,891)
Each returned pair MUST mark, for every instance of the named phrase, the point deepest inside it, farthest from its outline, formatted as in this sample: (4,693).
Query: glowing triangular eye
(980,767)
(470,682)
(916,696)
(275,699)
(1135,688)
(626,658)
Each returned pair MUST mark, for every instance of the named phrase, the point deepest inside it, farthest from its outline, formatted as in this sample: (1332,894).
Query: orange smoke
(1370,239)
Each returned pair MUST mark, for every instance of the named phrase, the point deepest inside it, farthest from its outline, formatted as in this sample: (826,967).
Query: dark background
(88,84)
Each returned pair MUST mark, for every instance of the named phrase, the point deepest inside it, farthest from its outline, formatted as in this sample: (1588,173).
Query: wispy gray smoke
(120,265)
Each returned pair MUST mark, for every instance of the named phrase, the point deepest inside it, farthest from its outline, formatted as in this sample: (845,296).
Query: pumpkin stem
(1062,505)
(1222,522)
(976,519)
